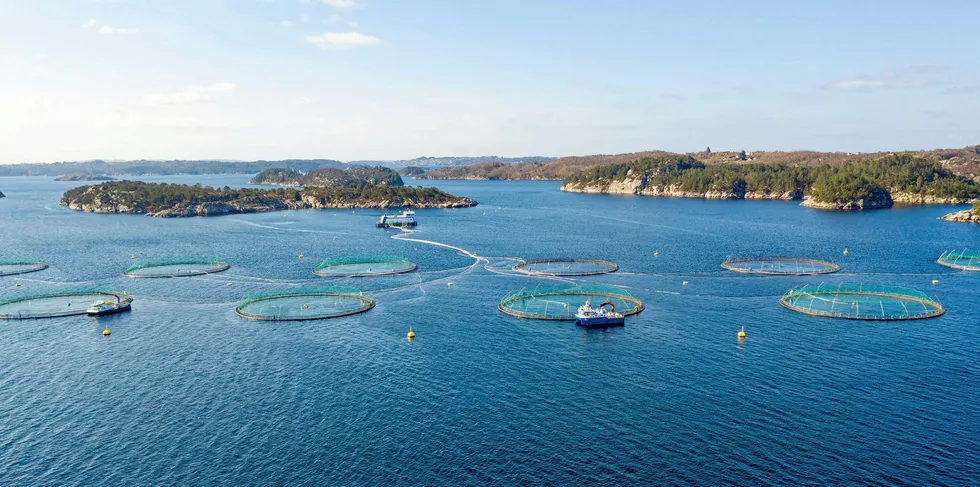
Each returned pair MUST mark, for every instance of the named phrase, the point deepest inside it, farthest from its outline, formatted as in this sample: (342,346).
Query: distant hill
(453,161)
(164,168)
(964,162)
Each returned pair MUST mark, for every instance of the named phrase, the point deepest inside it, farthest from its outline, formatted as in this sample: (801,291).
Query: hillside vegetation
(329,177)
(903,174)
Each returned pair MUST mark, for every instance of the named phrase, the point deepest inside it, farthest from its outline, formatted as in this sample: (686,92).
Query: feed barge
(405,219)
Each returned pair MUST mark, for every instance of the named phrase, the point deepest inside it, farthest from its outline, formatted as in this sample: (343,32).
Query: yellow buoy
(411,334)
(18,284)
(845,251)
(684,283)
(228,284)
(132,257)
(935,281)
(656,253)
(300,256)
(449,284)
(741,334)
(106,332)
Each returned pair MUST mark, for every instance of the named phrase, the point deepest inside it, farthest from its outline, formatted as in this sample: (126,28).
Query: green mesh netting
(364,265)
(299,304)
(779,266)
(63,302)
(176,267)
(12,266)
(561,303)
(964,260)
(566,267)
(862,302)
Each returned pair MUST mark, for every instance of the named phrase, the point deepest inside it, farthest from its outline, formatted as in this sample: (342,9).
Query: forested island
(329,177)
(412,171)
(965,162)
(180,200)
(84,177)
(863,184)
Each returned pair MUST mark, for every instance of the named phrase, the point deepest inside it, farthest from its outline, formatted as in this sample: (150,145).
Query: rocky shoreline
(105,199)
(84,177)
(965,216)
(640,187)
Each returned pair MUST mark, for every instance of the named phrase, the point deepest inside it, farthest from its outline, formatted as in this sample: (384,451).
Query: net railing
(13,266)
(779,266)
(561,303)
(963,259)
(309,303)
(364,265)
(176,267)
(872,302)
(565,267)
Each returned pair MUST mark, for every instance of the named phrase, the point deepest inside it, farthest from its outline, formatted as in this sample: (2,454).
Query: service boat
(102,307)
(405,219)
(589,317)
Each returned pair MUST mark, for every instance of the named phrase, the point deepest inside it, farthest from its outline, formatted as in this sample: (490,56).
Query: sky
(397,79)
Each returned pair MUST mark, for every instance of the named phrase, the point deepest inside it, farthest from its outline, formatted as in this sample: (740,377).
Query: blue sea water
(185,392)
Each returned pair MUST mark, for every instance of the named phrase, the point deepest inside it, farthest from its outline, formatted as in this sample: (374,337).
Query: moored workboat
(588,316)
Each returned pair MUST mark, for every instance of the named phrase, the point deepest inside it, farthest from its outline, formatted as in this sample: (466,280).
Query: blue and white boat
(101,307)
(406,219)
(590,317)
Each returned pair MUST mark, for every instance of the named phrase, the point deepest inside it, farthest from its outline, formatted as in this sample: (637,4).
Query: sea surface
(185,392)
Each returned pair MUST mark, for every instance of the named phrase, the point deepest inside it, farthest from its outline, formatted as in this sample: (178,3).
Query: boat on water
(405,219)
(102,307)
(590,317)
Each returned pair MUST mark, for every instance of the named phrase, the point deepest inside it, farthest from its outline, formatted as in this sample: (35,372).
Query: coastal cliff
(174,200)
(966,216)
(860,185)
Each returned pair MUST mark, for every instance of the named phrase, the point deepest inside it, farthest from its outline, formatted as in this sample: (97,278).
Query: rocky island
(164,200)
(966,216)
(878,183)
(84,177)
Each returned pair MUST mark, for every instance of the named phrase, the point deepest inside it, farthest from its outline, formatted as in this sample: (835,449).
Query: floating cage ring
(12,267)
(963,260)
(862,302)
(304,305)
(176,267)
(561,303)
(779,266)
(364,266)
(565,267)
(54,305)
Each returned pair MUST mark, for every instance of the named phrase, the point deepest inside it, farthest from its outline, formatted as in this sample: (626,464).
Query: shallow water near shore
(185,391)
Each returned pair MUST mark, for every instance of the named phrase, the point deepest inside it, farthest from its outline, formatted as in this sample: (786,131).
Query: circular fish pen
(364,266)
(176,267)
(561,303)
(12,267)
(962,260)
(565,267)
(304,304)
(862,302)
(53,305)
(779,266)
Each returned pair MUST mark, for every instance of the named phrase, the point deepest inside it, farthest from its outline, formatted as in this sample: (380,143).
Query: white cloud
(871,84)
(286,23)
(108,29)
(304,19)
(340,3)
(342,39)
(89,24)
(190,95)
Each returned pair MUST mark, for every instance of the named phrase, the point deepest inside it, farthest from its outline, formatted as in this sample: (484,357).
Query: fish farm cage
(66,302)
(964,260)
(304,304)
(12,267)
(561,303)
(862,302)
(565,267)
(364,266)
(176,267)
(779,266)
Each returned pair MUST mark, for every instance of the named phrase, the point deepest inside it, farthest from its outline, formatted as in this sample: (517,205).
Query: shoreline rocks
(965,216)
(640,186)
